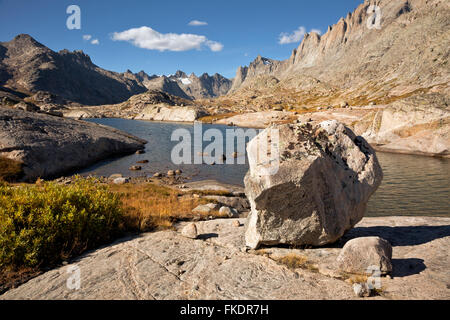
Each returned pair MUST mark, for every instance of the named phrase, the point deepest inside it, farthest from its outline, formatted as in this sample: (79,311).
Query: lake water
(412,185)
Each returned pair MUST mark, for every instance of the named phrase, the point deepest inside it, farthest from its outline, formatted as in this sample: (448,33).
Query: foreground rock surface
(49,145)
(166,265)
(325,177)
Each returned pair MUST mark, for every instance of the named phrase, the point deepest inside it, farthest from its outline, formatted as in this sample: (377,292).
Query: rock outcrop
(175,114)
(326,175)
(133,107)
(417,125)
(48,146)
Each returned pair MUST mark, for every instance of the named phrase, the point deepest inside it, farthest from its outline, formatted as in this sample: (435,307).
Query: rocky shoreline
(396,128)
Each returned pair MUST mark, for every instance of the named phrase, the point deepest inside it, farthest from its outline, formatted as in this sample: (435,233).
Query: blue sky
(235,33)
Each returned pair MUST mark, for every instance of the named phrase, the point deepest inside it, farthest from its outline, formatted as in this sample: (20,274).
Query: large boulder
(49,146)
(325,177)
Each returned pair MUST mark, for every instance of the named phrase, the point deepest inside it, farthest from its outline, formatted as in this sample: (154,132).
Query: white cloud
(147,38)
(197,23)
(87,37)
(214,46)
(95,41)
(295,36)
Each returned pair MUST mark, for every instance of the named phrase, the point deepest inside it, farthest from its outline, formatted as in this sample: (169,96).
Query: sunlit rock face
(325,177)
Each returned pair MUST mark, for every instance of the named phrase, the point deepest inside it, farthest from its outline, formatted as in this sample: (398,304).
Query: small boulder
(170,173)
(140,151)
(229,212)
(360,254)
(115,176)
(158,175)
(189,231)
(205,208)
(135,168)
(178,172)
(142,161)
(121,180)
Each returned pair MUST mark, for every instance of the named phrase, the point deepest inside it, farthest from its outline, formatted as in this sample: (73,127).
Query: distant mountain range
(27,67)
(184,86)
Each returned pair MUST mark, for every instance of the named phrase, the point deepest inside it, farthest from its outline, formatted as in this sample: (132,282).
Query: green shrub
(41,225)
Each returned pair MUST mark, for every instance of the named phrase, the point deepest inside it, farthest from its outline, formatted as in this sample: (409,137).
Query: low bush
(43,224)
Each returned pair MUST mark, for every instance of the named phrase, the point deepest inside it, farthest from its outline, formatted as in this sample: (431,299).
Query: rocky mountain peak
(180,74)
(25,40)
(71,75)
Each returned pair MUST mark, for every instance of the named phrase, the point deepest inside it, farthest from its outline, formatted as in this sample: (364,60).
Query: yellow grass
(296,261)
(154,207)
(210,192)
(357,279)
(9,169)
(217,117)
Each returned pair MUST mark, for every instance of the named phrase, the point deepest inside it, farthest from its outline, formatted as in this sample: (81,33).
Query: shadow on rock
(400,236)
(207,236)
(407,267)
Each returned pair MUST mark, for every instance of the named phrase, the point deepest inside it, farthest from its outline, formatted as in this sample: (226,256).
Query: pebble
(236,223)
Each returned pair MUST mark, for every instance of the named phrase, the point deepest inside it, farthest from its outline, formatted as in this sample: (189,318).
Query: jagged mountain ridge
(184,86)
(409,54)
(27,66)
